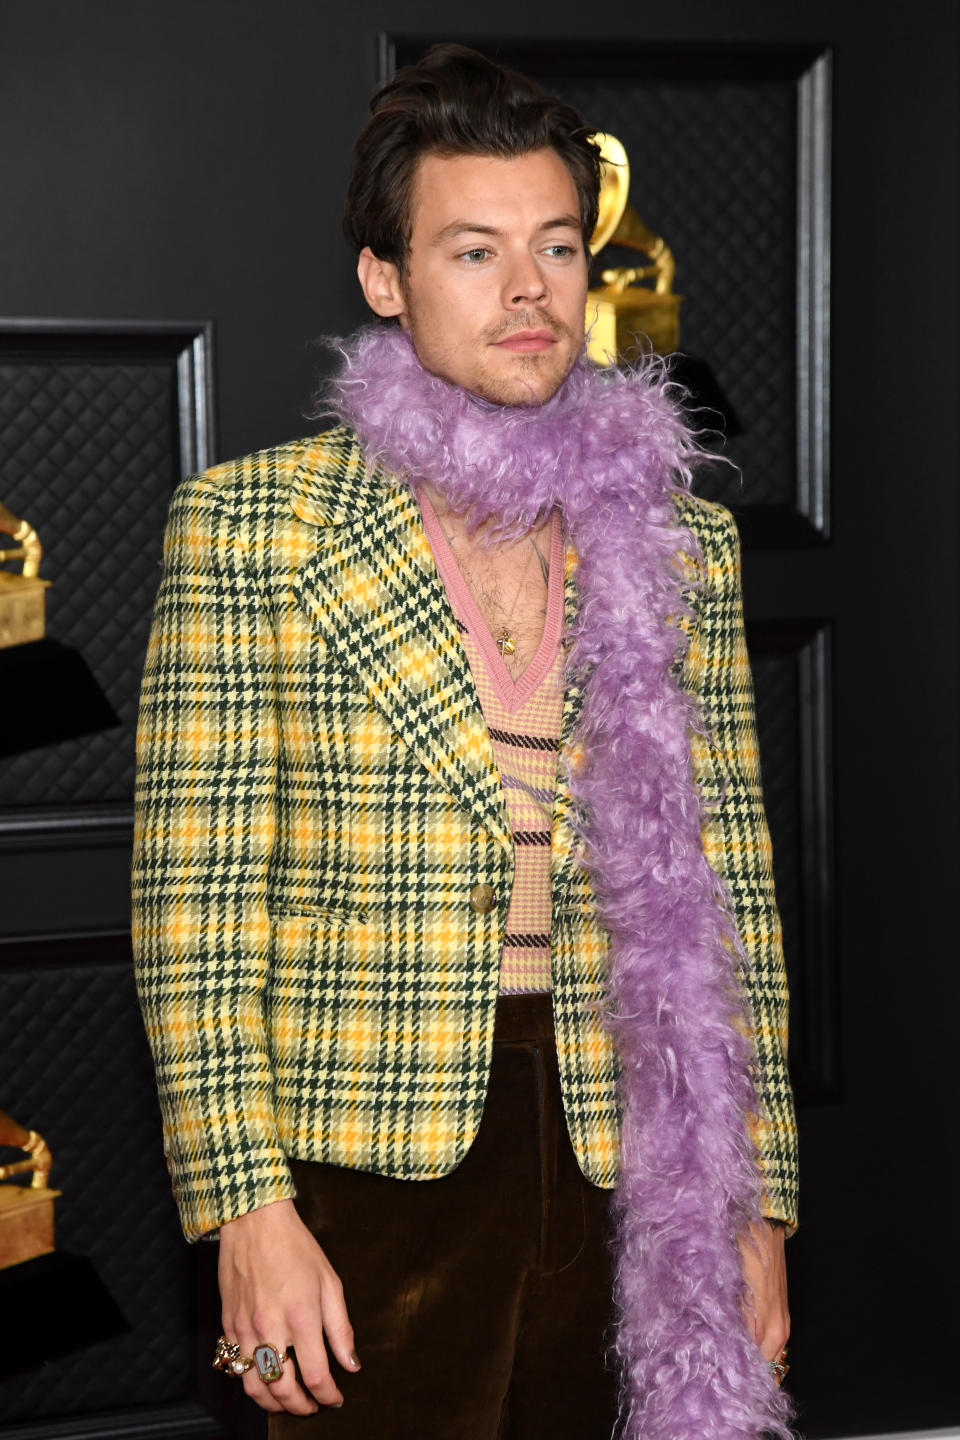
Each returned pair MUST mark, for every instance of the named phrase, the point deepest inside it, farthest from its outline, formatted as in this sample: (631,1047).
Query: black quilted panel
(74,1065)
(777,697)
(89,454)
(713,170)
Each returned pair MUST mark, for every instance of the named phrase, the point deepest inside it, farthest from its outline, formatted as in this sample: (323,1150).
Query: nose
(526,284)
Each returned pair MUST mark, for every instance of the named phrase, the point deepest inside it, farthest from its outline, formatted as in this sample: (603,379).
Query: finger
(336,1324)
(283,1394)
(314,1367)
(261,1394)
(240,1336)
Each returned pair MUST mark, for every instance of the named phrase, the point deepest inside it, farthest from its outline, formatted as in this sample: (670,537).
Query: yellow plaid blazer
(316,797)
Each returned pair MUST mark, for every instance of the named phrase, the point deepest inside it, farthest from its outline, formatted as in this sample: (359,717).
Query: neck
(508,466)
(458,529)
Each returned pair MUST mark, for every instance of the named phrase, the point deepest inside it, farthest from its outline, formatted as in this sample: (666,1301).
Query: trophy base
(48,693)
(22,608)
(53,1306)
(26,1223)
(620,324)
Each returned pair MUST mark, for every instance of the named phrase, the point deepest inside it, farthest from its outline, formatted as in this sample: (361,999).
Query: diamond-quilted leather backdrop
(74,1066)
(712,171)
(90,454)
(792,682)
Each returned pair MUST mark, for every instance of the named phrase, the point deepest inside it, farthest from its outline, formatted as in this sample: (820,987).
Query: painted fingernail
(355,1359)
(337,1406)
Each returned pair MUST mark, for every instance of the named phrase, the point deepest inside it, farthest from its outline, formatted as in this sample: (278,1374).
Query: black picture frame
(50,356)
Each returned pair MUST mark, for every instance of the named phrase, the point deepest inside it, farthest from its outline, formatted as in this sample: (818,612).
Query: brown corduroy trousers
(481,1302)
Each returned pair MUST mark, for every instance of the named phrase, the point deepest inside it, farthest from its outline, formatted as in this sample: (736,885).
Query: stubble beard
(536,376)
(531,383)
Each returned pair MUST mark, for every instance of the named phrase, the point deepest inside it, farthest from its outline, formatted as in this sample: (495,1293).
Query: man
(392,954)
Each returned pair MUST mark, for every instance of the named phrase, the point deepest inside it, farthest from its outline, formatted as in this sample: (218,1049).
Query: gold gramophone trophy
(22,597)
(635,301)
(26,1211)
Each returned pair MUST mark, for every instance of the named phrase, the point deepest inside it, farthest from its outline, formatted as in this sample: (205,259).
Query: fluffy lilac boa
(610,449)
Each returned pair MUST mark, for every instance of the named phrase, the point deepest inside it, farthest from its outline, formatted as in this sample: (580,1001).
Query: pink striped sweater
(523,719)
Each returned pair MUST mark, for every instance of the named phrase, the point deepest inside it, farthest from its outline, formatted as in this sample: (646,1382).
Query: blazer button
(482,899)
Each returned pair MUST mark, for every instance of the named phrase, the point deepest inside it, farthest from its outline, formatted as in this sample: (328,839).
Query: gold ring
(227,1357)
(269,1362)
(779,1367)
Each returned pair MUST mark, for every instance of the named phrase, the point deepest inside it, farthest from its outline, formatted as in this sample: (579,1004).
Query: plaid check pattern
(317,796)
(736,841)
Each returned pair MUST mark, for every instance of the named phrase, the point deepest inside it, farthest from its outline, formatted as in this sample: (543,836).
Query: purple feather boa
(611,450)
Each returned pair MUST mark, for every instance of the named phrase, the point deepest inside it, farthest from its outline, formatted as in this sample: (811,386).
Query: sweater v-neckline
(512,694)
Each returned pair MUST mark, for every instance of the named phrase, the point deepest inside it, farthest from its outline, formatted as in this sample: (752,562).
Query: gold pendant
(505,642)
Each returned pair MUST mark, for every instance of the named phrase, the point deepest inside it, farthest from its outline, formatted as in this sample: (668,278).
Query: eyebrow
(470,227)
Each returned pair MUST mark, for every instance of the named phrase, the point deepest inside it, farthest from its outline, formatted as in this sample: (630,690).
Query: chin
(531,389)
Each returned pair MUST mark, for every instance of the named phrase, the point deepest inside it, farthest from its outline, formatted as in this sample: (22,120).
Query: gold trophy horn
(22,604)
(628,307)
(26,1211)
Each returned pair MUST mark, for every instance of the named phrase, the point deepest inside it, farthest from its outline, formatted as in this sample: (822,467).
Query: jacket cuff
(210,1190)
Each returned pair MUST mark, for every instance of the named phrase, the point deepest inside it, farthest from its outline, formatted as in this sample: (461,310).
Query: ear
(380,282)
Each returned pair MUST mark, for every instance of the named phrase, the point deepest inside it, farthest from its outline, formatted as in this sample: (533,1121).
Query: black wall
(188,159)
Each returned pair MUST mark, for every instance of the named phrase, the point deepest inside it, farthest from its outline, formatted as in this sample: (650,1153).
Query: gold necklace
(505,642)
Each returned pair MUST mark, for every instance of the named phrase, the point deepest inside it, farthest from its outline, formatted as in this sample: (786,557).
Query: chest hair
(508,583)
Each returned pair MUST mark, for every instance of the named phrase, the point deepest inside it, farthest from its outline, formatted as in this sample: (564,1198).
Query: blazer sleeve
(206,760)
(736,840)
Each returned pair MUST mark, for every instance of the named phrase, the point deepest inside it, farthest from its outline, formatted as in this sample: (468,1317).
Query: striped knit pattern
(525,745)
(523,721)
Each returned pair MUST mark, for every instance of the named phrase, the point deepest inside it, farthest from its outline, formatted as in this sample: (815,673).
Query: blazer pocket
(280,910)
(306,951)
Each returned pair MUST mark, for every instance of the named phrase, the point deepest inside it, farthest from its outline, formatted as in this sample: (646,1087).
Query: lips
(527,342)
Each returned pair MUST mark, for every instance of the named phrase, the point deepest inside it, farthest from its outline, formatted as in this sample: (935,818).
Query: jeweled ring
(779,1367)
(269,1362)
(227,1357)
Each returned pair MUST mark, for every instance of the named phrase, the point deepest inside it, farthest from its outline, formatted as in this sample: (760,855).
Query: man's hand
(278,1288)
(765,1273)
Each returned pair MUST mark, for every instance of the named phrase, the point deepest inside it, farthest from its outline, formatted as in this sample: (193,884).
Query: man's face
(495,288)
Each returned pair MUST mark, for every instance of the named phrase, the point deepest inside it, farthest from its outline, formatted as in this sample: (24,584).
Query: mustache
(536,319)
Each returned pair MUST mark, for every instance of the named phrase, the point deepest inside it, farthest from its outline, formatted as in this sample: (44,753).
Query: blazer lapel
(374,591)
(565,843)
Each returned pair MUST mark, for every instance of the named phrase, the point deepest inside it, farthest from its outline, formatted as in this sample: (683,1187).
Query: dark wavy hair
(454,101)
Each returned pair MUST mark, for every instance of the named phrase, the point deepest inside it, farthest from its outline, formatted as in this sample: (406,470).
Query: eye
(475,255)
(561,251)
